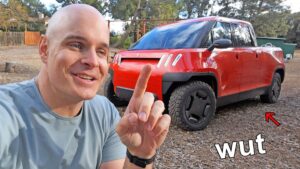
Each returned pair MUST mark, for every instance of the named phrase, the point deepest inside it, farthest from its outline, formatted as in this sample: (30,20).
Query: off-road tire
(273,91)
(185,102)
(110,94)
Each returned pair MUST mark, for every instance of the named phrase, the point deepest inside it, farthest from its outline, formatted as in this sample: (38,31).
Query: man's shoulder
(12,95)
(15,94)
(15,88)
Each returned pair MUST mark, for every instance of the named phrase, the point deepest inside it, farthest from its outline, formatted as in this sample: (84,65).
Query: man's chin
(88,96)
(86,93)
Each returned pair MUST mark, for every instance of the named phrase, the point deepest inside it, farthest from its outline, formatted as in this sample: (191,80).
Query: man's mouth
(85,77)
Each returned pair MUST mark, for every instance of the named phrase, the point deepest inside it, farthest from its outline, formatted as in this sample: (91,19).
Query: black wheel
(110,94)
(273,91)
(192,106)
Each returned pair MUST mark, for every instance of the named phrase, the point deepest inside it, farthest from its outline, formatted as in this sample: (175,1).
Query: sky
(49,2)
(117,26)
(294,5)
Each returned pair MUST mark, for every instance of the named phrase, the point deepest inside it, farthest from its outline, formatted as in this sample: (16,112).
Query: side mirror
(220,43)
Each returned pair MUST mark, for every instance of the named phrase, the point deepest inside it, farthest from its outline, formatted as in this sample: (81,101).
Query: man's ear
(43,48)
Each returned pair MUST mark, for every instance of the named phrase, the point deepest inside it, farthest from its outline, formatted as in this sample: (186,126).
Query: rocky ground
(242,121)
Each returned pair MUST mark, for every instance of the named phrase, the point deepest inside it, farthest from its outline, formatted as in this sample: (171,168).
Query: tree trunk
(126,34)
(9,67)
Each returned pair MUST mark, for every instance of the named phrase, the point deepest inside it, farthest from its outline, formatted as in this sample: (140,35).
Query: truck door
(249,59)
(228,66)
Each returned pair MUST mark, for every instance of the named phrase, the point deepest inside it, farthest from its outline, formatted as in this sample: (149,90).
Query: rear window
(174,36)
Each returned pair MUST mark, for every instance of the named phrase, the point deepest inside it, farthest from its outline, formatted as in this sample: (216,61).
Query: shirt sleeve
(7,133)
(113,148)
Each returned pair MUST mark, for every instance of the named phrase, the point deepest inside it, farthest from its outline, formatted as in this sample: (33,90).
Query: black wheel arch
(173,80)
(281,73)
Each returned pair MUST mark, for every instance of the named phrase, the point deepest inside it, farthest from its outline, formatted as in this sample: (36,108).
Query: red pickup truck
(198,65)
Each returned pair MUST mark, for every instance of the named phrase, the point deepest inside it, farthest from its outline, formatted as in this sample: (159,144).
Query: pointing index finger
(142,81)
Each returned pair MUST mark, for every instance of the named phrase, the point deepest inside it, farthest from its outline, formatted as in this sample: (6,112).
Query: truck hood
(154,54)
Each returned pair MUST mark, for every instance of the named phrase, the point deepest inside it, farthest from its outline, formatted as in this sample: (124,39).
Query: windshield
(174,36)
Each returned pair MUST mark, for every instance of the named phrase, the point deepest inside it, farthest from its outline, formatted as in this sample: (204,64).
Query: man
(57,121)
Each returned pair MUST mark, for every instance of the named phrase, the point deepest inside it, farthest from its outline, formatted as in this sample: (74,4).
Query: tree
(122,9)
(294,31)
(251,9)
(203,8)
(228,8)
(67,2)
(156,13)
(272,24)
(268,17)
(13,15)
(52,9)
(102,6)
(195,8)
(35,7)
(157,9)
(137,10)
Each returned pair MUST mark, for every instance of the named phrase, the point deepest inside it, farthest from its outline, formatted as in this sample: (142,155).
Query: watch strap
(141,162)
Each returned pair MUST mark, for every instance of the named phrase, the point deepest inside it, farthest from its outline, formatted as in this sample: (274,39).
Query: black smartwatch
(139,161)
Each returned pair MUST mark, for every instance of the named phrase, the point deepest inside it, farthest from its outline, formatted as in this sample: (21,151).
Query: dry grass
(26,59)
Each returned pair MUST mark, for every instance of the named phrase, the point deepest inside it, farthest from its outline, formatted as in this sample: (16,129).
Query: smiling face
(75,51)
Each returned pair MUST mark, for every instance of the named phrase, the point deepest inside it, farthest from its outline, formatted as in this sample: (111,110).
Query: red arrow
(269,115)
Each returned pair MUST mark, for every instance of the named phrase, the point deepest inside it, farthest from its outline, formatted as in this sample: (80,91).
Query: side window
(209,40)
(242,35)
(253,36)
(221,30)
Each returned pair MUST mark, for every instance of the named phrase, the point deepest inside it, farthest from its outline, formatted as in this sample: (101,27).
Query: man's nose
(91,58)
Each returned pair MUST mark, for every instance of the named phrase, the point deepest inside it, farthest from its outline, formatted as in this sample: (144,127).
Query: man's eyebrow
(76,37)
(104,45)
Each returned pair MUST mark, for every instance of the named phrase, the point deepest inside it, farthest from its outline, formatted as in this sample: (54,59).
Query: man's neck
(68,111)
(57,102)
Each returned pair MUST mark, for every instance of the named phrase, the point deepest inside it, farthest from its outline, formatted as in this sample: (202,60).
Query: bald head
(73,16)
(74,52)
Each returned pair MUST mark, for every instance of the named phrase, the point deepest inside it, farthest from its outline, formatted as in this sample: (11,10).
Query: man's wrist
(140,161)
(142,154)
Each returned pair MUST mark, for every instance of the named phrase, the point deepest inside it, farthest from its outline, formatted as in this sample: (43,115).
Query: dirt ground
(242,121)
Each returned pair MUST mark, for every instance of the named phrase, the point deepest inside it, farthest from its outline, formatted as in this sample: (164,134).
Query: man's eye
(76,45)
(101,53)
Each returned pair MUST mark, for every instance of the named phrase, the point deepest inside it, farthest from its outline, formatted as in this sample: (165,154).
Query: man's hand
(143,128)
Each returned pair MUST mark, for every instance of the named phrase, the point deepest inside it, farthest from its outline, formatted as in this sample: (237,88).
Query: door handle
(256,55)
(237,56)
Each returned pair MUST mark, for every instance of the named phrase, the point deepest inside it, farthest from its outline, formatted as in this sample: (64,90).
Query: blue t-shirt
(34,137)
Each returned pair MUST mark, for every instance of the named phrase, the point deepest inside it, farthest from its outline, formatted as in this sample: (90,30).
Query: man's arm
(117,164)
(122,164)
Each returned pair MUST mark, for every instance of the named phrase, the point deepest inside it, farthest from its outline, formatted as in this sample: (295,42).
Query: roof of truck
(211,18)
